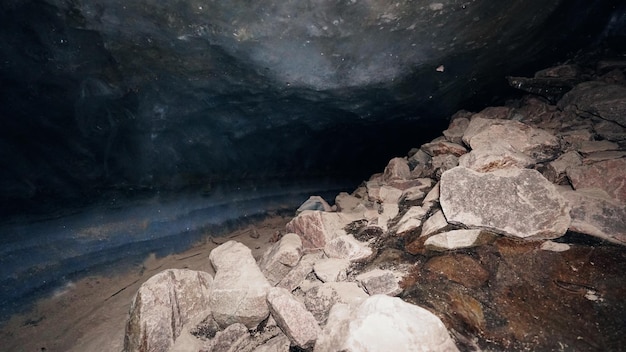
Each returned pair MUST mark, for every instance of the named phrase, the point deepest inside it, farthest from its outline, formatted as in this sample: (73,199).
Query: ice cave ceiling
(116,95)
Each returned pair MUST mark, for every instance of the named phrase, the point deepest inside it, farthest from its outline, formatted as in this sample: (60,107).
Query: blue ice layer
(38,257)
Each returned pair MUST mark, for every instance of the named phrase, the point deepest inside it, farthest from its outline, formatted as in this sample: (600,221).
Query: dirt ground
(90,314)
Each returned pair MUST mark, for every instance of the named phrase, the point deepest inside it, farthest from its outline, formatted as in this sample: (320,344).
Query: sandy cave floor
(90,314)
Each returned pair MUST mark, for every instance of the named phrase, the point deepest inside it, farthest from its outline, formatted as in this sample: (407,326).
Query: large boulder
(239,287)
(383,323)
(163,305)
(514,202)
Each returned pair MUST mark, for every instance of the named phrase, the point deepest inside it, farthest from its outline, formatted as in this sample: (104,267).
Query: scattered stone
(607,175)
(456,239)
(457,127)
(554,246)
(297,274)
(420,164)
(347,247)
(383,323)
(595,213)
(410,221)
(498,156)
(398,168)
(314,203)
(331,269)
(320,299)
(239,287)
(555,170)
(387,212)
(431,199)
(443,163)
(316,228)
(388,194)
(444,148)
(459,268)
(163,305)
(293,318)
(377,281)
(434,223)
(413,194)
(347,203)
(514,202)
(233,338)
(281,258)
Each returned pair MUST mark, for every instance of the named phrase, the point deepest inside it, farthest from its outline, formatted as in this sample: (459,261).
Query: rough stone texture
(610,130)
(331,269)
(383,323)
(595,213)
(456,239)
(514,202)
(347,247)
(281,258)
(555,170)
(411,220)
(348,203)
(320,299)
(239,287)
(595,98)
(607,175)
(163,305)
(387,211)
(293,318)
(596,146)
(377,281)
(389,194)
(443,148)
(233,338)
(594,157)
(460,268)
(419,164)
(297,274)
(413,194)
(554,246)
(434,223)
(457,127)
(279,343)
(397,169)
(535,143)
(443,163)
(314,203)
(316,228)
(498,156)
(431,199)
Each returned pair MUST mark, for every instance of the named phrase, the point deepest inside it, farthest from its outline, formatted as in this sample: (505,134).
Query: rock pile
(473,211)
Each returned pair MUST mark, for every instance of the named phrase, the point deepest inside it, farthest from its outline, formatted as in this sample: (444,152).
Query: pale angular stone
(419,164)
(320,299)
(431,199)
(608,175)
(163,305)
(331,269)
(411,220)
(316,228)
(279,343)
(533,142)
(233,338)
(554,246)
(383,323)
(555,170)
(348,203)
(434,223)
(293,318)
(387,212)
(347,247)
(413,194)
(379,281)
(314,203)
(388,194)
(281,258)
(443,148)
(457,127)
(595,213)
(456,239)
(297,274)
(498,156)
(239,287)
(513,202)
(443,163)
(596,146)
(398,168)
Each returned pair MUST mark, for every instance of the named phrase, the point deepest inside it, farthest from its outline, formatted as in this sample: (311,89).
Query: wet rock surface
(524,256)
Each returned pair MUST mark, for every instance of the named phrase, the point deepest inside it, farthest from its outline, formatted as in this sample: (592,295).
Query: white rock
(316,228)
(554,246)
(293,318)
(296,275)
(331,269)
(281,258)
(347,247)
(383,323)
(434,223)
(379,281)
(411,220)
(453,240)
(320,298)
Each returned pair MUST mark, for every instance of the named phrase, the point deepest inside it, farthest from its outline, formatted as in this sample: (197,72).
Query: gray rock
(410,221)
(443,163)
(596,98)
(297,274)
(431,199)
(233,338)
(280,343)
(456,239)
(347,247)
(377,281)
(498,156)
(457,127)
(595,213)
(607,175)
(610,130)
(331,269)
(603,156)
(239,287)
(293,318)
(514,202)
(320,299)
(397,168)
(314,203)
(434,224)
(555,170)
(383,323)
(163,305)
(443,148)
(316,228)
(596,146)
(281,258)
(419,164)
